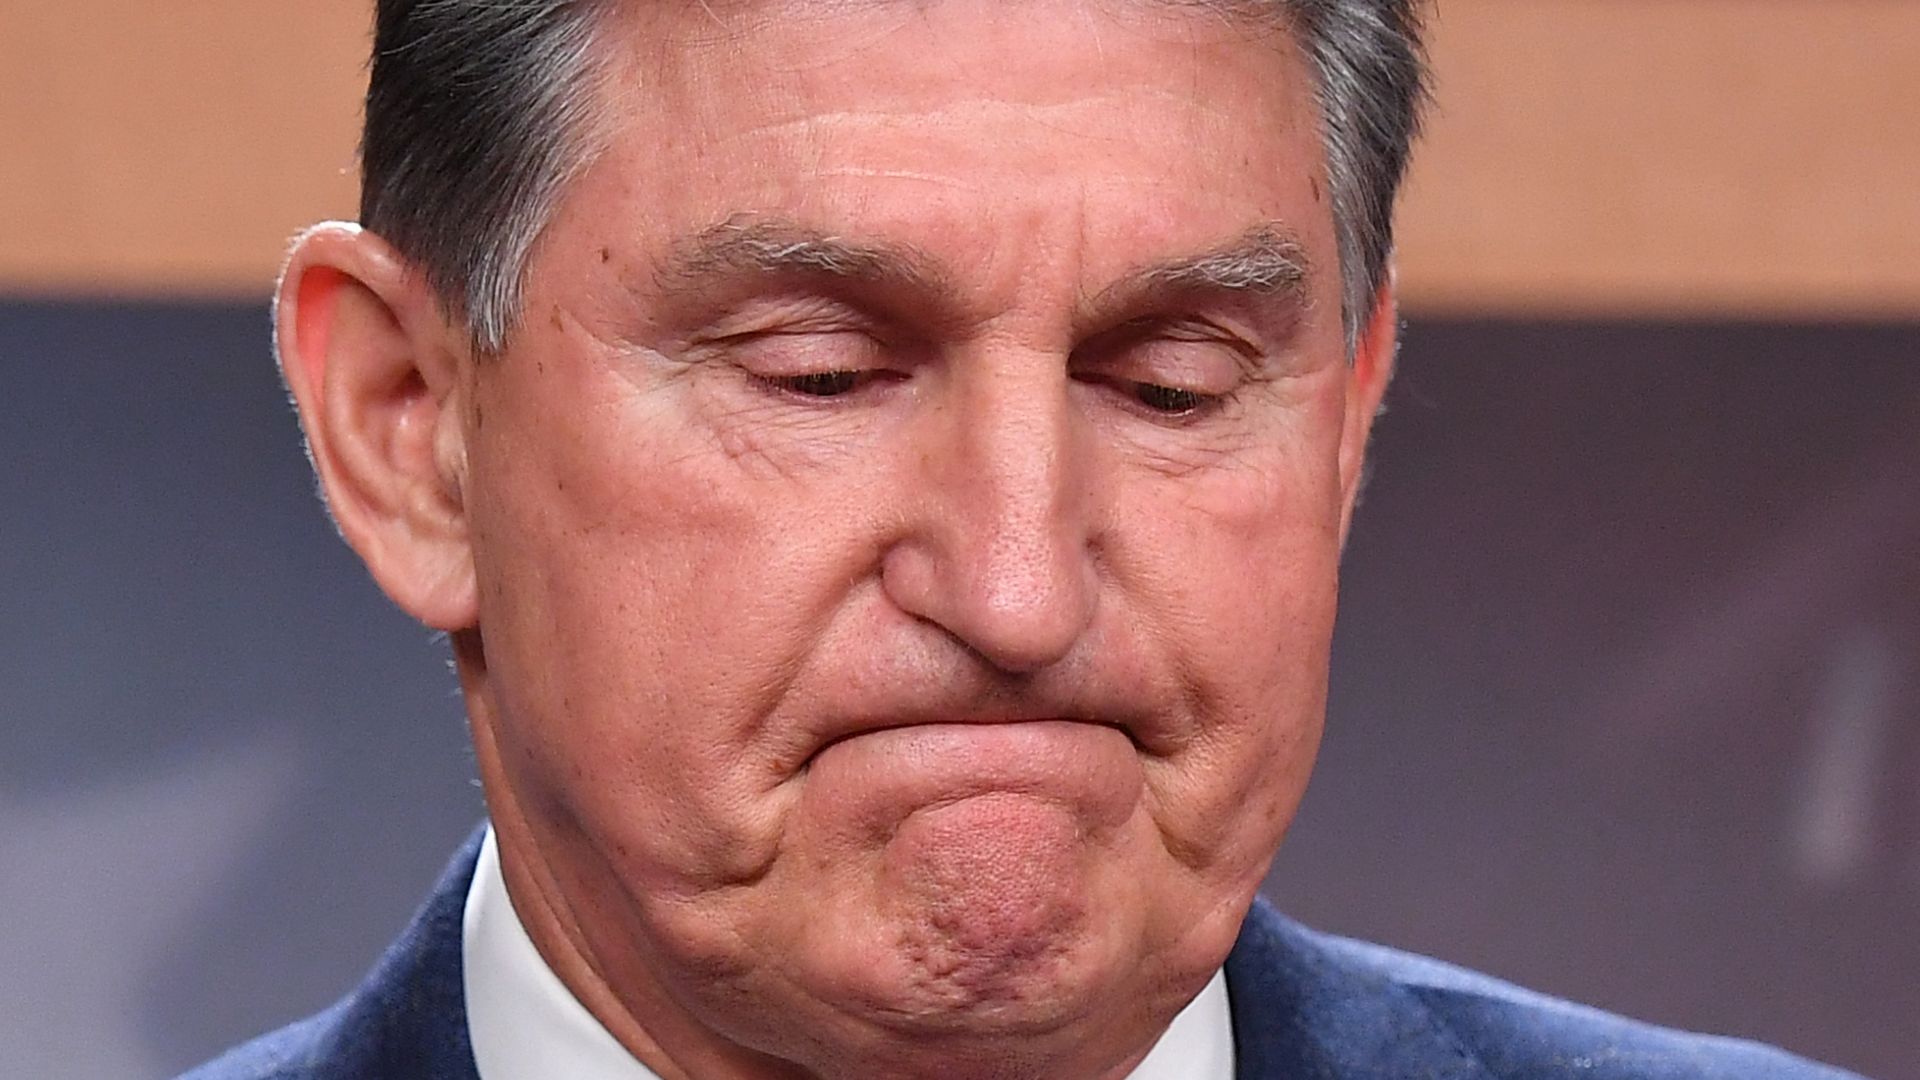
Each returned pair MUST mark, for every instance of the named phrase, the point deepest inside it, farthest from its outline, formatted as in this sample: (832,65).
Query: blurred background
(1627,682)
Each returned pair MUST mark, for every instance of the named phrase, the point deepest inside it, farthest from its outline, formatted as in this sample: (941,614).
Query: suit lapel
(409,1017)
(1303,1012)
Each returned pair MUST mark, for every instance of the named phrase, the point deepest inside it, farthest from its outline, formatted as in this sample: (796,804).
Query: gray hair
(479,113)
(477,116)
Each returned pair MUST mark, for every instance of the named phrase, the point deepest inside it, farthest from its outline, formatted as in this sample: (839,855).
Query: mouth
(876,779)
(971,727)
(957,758)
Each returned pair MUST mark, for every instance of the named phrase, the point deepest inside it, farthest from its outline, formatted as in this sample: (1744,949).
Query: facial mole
(606,255)
(1314,183)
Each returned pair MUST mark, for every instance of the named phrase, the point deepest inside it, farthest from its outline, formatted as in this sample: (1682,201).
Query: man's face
(906,523)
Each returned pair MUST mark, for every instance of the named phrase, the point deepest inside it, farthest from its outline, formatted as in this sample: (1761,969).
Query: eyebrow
(1267,260)
(741,247)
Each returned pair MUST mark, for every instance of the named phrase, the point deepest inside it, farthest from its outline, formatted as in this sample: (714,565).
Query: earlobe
(378,381)
(1373,361)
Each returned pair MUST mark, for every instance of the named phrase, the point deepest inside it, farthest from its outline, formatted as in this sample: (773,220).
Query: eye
(807,362)
(819,383)
(1170,400)
(1166,367)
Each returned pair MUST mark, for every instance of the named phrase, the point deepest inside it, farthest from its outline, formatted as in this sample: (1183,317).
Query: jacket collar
(409,1016)
(1302,1011)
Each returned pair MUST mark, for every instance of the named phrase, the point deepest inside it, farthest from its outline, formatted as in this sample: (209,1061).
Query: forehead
(977,130)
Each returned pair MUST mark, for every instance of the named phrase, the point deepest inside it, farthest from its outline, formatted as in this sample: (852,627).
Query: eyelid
(1205,330)
(778,327)
(790,353)
(1184,354)
(1184,327)
(769,315)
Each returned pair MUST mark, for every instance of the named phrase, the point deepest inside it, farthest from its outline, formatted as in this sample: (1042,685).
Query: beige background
(1603,157)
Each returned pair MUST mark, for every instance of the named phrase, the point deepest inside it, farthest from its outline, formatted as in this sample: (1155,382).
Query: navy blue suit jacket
(1306,1006)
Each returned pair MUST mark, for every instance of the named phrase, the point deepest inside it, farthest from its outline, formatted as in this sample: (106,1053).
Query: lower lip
(1090,769)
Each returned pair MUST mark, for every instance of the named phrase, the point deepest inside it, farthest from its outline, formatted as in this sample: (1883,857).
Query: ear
(378,379)
(1371,371)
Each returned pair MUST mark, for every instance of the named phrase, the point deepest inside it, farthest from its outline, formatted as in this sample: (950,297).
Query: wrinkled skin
(901,672)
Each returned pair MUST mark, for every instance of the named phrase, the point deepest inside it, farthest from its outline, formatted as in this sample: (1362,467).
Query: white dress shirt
(526,1025)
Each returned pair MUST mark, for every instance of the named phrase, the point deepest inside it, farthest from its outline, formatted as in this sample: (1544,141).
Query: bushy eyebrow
(743,247)
(1267,261)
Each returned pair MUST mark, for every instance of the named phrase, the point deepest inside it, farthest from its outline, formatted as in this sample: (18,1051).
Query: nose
(1001,553)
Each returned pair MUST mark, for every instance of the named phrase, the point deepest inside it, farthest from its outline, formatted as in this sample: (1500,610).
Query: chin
(1027,988)
(1000,1041)
(993,913)
(932,999)
(1068,1020)
(916,979)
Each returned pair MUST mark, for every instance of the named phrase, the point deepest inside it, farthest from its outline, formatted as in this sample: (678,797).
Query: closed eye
(1165,368)
(823,384)
(1170,400)
(809,362)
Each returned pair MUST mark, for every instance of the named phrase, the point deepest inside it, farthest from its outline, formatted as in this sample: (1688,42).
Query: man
(882,468)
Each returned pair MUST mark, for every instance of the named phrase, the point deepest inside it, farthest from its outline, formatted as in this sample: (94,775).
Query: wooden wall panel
(1743,157)
(172,147)
(1634,157)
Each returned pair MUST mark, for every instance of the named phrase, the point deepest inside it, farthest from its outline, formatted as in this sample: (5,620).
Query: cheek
(1255,637)
(645,602)
(1246,596)
(1248,549)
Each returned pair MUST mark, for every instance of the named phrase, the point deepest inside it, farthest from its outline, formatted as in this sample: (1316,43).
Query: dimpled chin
(982,872)
(991,895)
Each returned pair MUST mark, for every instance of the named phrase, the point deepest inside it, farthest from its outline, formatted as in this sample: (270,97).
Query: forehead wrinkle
(1061,114)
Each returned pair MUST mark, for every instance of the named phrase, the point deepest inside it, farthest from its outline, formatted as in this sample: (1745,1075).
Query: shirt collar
(526,1025)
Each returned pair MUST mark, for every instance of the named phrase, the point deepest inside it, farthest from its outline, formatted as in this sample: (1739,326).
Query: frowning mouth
(881,775)
(978,727)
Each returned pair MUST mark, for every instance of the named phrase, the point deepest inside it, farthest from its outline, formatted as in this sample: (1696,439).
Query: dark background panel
(1625,688)
(228,767)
